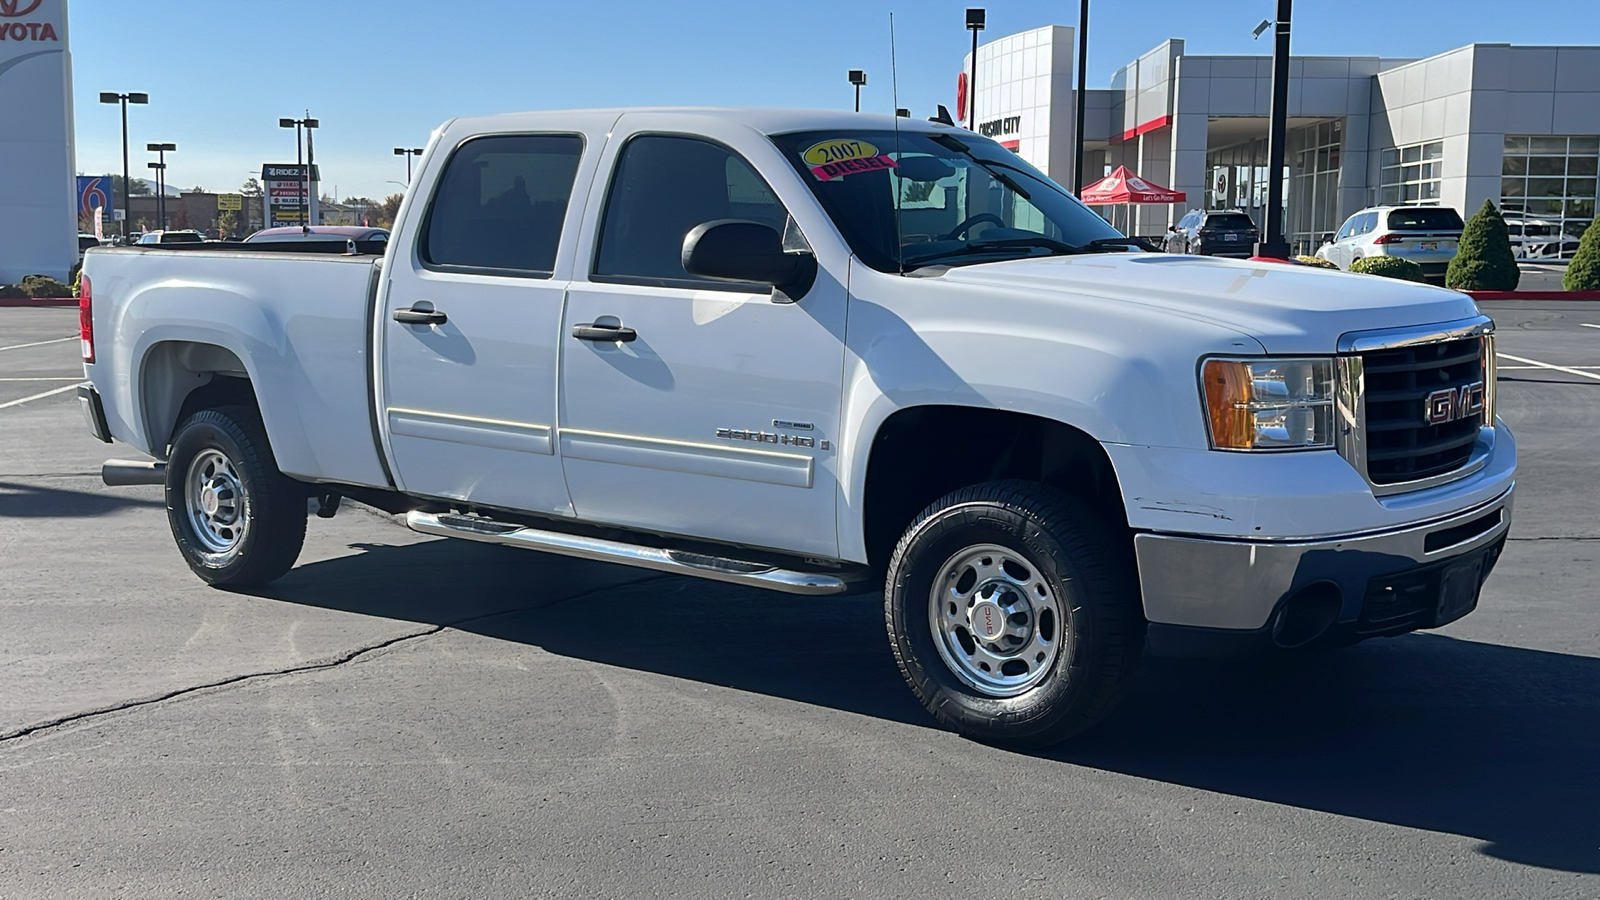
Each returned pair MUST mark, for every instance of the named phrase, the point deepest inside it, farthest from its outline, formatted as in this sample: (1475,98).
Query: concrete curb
(1533,295)
(38,301)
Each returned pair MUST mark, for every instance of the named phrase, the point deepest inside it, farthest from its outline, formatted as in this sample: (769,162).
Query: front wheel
(1013,613)
(238,521)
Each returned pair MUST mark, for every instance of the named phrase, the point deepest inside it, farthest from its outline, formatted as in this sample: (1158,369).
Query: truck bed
(295,320)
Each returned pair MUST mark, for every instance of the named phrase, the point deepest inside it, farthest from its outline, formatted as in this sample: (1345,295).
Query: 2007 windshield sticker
(837,158)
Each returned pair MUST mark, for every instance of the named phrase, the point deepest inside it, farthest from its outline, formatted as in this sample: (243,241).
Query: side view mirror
(739,250)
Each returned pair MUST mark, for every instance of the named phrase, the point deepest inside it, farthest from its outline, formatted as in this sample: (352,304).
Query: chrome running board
(678,562)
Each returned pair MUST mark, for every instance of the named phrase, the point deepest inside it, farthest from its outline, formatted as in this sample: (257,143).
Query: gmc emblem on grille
(1450,404)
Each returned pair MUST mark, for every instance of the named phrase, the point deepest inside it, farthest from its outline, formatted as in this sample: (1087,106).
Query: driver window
(664,186)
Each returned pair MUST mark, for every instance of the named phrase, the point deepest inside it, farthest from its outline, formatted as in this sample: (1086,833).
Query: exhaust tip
(126,472)
(1307,615)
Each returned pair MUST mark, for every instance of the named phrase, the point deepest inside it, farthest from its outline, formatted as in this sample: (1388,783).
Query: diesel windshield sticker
(840,157)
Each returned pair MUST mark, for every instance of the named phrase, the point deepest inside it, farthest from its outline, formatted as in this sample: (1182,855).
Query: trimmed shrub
(1388,267)
(42,286)
(1484,261)
(11,292)
(1583,273)
(1316,261)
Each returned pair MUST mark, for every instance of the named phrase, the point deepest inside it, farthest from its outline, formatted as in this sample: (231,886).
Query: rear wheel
(238,521)
(1013,614)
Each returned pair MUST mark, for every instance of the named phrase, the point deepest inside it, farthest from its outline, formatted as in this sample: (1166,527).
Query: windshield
(1425,218)
(962,198)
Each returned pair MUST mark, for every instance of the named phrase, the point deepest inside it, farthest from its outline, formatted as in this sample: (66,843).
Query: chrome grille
(1401,445)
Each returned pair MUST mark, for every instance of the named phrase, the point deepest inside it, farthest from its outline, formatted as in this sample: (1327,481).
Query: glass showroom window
(1411,175)
(1547,192)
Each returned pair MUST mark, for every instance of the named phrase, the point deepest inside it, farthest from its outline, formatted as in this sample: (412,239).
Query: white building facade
(38,194)
(1519,126)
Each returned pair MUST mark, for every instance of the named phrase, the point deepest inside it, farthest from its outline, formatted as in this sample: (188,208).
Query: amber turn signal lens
(1228,396)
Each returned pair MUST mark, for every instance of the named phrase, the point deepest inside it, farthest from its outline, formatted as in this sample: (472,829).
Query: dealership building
(1516,125)
(38,197)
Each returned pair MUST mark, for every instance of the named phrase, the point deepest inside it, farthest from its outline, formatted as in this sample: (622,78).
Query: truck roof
(765,120)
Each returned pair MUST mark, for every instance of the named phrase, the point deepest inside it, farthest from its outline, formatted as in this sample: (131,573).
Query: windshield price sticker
(837,158)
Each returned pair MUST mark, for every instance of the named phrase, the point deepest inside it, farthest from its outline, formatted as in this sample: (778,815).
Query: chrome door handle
(420,317)
(591,332)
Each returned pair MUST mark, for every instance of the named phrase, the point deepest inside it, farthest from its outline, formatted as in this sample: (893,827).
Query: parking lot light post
(1083,91)
(975,21)
(303,164)
(1273,243)
(408,154)
(161,151)
(858,78)
(124,100)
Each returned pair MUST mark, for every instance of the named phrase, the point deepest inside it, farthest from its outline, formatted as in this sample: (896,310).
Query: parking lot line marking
(39,343)
(1502,368)
(68,378)
(63,390)
(1587,325)
(1545,365)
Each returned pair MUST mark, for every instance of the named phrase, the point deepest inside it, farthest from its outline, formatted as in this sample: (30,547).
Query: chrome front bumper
(1239,585)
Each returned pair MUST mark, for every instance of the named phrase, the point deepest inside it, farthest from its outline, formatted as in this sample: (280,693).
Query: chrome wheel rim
(996,620)
(215,502)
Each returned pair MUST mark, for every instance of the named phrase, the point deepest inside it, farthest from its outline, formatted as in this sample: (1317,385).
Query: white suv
(1426,235)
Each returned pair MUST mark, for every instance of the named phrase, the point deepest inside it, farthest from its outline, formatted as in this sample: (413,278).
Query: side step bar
(678,562)
(124,472)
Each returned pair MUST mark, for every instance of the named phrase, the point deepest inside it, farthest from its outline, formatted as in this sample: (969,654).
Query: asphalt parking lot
(405,716)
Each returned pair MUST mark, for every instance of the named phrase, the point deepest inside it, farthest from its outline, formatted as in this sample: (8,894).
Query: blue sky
(383,73)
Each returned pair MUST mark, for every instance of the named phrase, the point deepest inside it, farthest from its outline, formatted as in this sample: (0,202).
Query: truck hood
(1288,308)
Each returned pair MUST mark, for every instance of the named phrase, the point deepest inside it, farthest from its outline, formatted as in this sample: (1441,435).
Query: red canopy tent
(1123,187)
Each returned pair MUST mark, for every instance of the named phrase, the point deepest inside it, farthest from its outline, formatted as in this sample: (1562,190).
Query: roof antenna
(943,118)
(894,89)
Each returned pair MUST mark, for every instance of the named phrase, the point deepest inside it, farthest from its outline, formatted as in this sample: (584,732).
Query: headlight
(1269,404)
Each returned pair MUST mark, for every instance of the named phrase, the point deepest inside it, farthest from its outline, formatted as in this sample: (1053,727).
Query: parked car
(85,241)
(318,233)
(711,343)
(1540,239)
(1426,235)
(172,237)
(1220,232)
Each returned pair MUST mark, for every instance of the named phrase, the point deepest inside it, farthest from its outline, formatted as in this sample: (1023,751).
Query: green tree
(1484,261)
(1583,273)
(138,187)
(384,213)
(251,187)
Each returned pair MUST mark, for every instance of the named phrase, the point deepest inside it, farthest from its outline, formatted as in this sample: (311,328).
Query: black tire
(1073,553)
(268,507)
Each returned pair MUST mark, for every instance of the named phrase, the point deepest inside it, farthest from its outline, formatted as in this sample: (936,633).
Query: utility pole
(1273,243)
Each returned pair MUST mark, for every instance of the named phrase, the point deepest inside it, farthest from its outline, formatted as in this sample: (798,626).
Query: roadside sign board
(287,192)
(230,202)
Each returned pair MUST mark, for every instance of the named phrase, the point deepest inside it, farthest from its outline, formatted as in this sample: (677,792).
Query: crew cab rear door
(472,317)
(717,414)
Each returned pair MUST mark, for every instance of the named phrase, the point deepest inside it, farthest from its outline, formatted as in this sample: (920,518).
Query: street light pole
(1083,74)
(124,100)
(858,78)
(161,151)
(303,163)
(975,21)
(1273,243)
(402,151)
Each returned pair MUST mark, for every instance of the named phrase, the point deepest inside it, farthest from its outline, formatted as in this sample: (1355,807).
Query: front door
(473,318)
(718,416)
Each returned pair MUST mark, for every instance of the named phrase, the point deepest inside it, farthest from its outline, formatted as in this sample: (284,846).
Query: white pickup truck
(806,351)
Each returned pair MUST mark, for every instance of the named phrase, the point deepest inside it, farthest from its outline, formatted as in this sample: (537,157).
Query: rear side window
(500,204)
(664,186)
(1230,222)
(1424,218)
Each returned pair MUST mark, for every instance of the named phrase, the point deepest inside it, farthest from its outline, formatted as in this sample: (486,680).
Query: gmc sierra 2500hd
(806,351)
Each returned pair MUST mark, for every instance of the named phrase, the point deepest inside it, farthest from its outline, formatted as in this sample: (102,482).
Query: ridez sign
(38,208)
